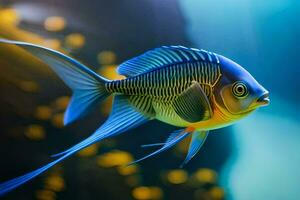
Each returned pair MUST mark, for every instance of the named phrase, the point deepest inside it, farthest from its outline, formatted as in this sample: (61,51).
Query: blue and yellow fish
(189,88)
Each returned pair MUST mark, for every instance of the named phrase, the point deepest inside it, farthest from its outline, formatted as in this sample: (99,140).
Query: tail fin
(88,87)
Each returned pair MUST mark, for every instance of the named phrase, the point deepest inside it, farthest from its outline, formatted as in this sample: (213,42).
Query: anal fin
(173,139)
(123,117)
(197,141)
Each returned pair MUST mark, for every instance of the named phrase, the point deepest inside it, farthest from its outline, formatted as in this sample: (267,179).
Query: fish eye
(239,89)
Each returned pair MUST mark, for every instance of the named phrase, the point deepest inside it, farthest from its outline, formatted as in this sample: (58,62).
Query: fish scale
(157,83)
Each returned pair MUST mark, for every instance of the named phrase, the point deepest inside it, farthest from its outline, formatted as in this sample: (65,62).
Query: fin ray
(173,135)
(159,57)
(192,104)
(88,87)
(116,124)
(177,136)
(197,141)
(122,117)
(152,145)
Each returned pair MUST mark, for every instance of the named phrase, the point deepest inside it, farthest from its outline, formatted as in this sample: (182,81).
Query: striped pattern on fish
(154,92)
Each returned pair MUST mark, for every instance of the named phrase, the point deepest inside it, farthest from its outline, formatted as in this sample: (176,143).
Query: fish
(192,89)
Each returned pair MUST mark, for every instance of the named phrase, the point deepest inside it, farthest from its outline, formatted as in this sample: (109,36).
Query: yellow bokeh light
(206,175)
(217,193)
(45,195)
(141,193)
(127,170)
(55,23)
(55,183)
(114,158)
(177,176)
(35,132)
(75,41)
(156,192)
(9,17)
(109,71)
(58,120)
(147,193)
(61,103)
(52,43)
(43,112)
(9,20)
(106,57)
(29,86)
(107,105)
(89,151)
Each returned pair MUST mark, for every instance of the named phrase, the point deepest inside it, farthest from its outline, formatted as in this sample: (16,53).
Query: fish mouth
(263,100)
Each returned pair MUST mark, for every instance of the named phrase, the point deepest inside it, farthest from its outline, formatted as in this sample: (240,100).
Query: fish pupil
(240,89)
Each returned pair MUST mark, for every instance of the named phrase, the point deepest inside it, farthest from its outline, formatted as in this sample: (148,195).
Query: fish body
(155,91)
(189,88)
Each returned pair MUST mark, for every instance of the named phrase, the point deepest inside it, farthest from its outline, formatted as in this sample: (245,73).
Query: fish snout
(264,99)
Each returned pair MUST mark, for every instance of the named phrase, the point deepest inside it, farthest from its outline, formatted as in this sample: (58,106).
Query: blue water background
(263,36)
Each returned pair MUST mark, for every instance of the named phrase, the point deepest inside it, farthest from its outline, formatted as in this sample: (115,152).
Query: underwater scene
(206,90)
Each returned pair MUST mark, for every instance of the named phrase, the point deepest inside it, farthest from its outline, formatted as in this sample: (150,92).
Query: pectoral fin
(193,105)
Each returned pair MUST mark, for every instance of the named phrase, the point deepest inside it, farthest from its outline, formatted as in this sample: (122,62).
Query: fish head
(237,91)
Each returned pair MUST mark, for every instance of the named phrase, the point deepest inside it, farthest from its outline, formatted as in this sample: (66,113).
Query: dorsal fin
(163,56)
